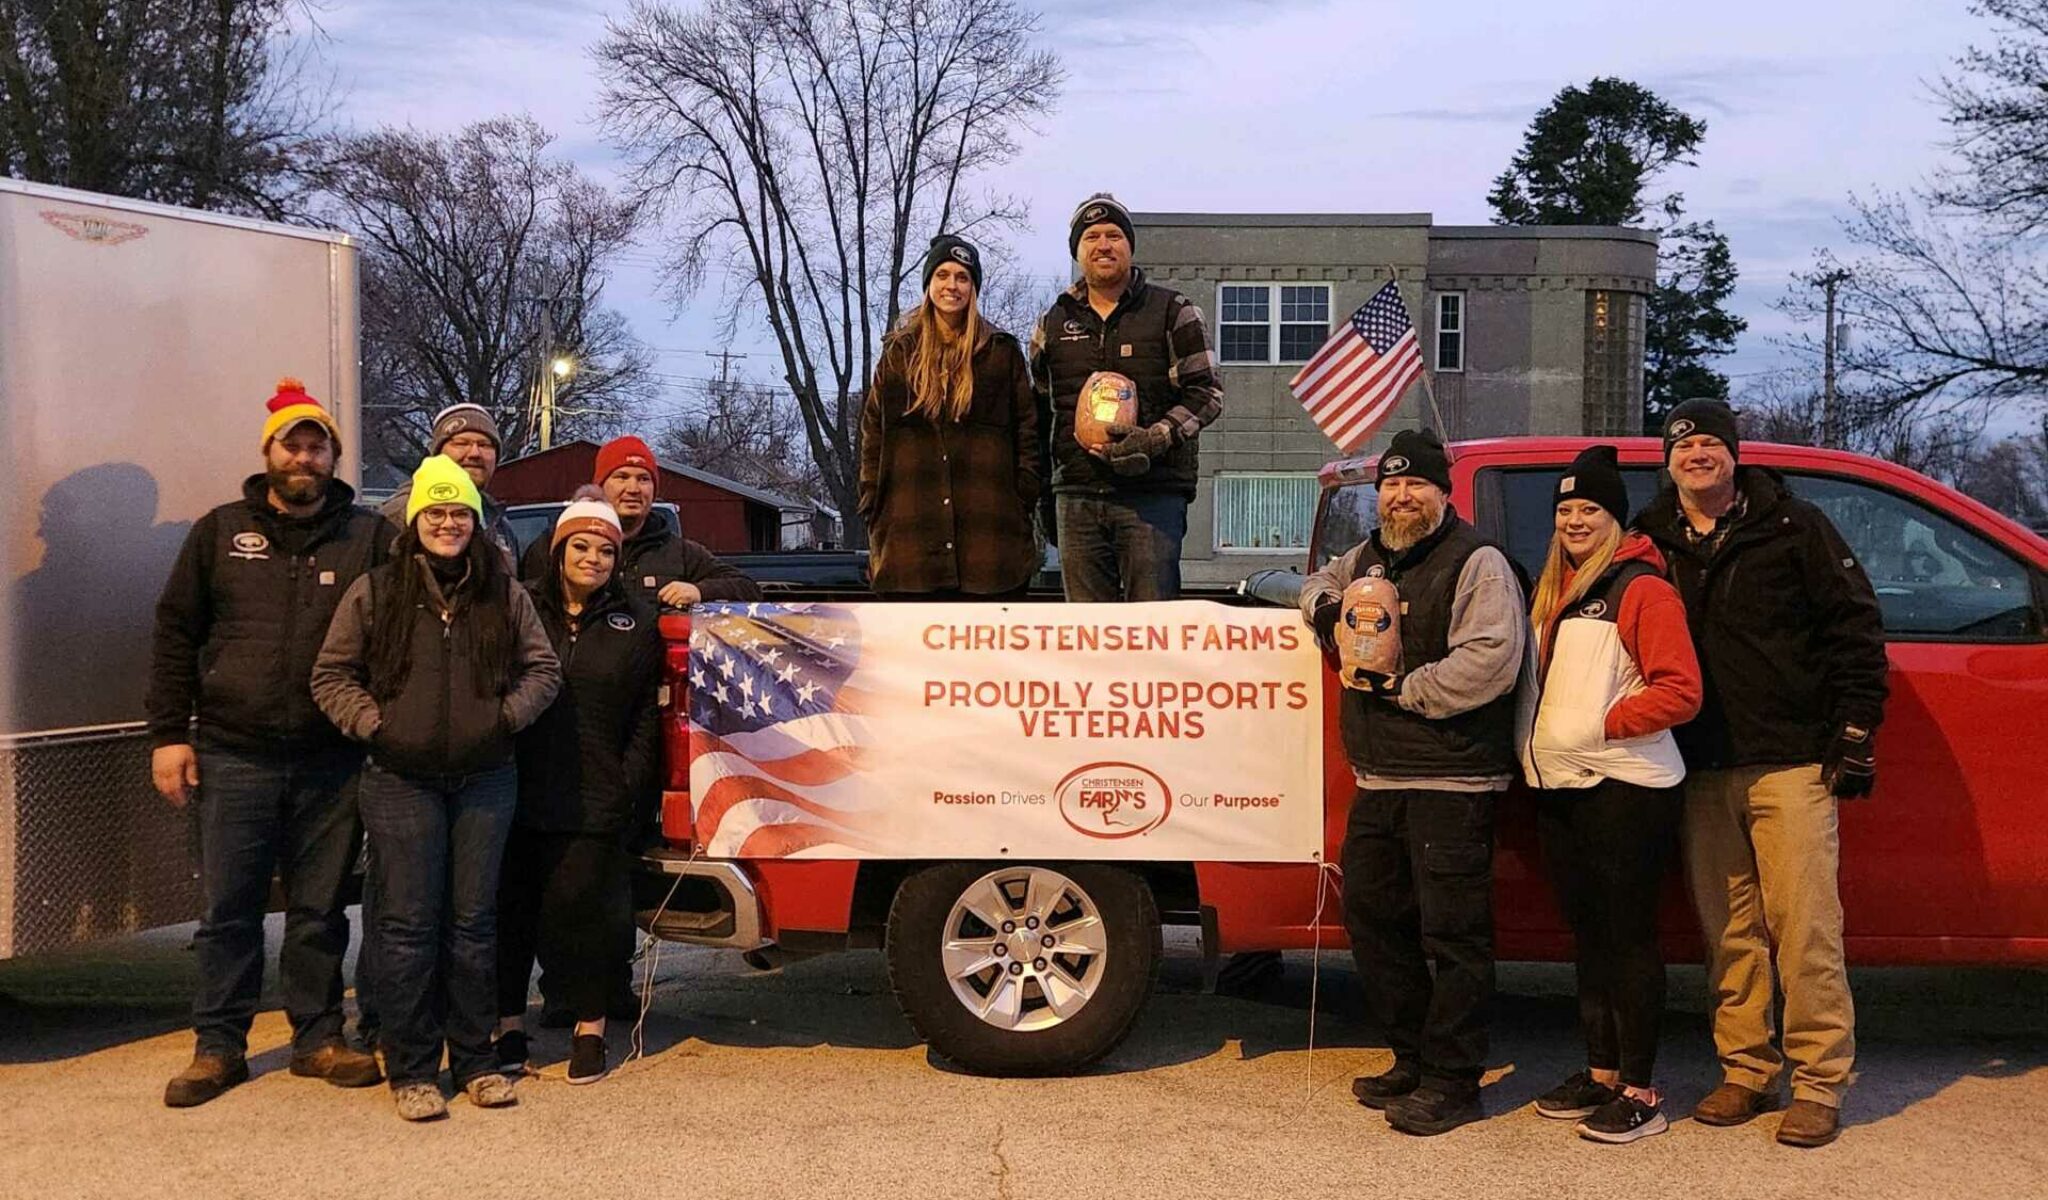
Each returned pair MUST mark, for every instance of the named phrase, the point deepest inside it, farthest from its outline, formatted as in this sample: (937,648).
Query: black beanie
(1594,475)
(1416,452)
(1096,210)
(1703,416)
(947,248)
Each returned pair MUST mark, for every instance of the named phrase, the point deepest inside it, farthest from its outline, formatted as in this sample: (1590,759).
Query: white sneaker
(420,1101)
(491,1091)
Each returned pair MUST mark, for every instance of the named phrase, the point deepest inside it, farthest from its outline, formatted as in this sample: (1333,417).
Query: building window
(1248,333)
(1614,364)
(1450,331)
(1265,512)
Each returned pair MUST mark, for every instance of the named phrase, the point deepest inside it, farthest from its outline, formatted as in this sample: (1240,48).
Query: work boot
(1426,1111)
(339,1064)
(1809,1123)
(209,1074)
(1378,1091)
(1732,1104)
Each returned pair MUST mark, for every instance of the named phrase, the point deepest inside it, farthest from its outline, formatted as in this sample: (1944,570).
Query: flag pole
(1428,368)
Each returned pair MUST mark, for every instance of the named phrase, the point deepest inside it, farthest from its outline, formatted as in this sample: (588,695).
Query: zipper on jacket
(447,684)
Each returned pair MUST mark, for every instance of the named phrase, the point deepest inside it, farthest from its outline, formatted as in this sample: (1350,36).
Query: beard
(298,487)
(1402,529)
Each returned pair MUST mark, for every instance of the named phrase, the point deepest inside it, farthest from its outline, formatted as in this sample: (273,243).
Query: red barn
(727,516)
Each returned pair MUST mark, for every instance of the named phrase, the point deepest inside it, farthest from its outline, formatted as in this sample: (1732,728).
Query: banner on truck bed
(1183,730)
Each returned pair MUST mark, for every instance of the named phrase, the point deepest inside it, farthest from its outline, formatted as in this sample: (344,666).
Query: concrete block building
(1525,330)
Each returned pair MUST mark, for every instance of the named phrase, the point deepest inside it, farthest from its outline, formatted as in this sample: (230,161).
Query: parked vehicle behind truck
(1946,864)
(137,345)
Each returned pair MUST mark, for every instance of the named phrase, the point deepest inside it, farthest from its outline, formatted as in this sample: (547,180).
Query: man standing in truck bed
(239,624)
(1122,511)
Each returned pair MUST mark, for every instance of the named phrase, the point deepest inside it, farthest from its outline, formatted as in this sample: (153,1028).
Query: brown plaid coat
(948,505)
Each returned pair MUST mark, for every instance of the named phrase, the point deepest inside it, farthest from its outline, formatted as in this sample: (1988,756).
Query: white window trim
(1216,524)
(1436,332)
(1273,322)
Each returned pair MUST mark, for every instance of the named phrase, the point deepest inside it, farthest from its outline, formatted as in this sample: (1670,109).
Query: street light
(563,367)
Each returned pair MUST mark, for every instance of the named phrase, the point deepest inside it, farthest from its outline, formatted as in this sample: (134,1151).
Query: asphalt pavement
(807,1081)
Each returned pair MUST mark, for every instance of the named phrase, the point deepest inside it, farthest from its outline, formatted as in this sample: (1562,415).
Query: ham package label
(1182,730)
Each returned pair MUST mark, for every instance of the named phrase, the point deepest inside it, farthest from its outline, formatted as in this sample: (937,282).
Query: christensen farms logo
(443,492)
(100,231)
(250,546)
(1679,429)
(1394,465)
(1114,800)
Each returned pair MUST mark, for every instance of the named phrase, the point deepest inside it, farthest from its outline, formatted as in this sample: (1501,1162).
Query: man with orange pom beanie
(240,737)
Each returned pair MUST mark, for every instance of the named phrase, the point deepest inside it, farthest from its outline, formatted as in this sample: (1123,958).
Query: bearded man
(1432,747)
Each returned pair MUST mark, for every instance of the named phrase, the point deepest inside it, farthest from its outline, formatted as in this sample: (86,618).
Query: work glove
(1849,768)
(1377,683)
(1132,450)
(1324,621)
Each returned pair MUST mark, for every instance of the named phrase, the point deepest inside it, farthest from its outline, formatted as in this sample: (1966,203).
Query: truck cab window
(1934,577)
(1516,509)
(1350,514)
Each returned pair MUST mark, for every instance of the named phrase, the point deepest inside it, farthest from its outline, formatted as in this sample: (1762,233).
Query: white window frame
(1216,498)
(1459,328)
(1273,321)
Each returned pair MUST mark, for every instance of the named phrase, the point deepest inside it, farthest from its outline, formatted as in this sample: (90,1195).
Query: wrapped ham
(1107,398)
(1369,629)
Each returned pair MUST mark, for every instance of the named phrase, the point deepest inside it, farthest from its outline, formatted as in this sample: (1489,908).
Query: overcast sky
(1247,106)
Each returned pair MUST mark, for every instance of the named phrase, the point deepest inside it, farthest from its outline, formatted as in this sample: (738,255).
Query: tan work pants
(1761,853)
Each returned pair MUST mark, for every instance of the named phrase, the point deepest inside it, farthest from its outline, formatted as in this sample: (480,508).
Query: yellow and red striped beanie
(291,406)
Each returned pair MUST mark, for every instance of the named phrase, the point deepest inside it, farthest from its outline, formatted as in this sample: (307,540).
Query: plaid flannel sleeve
(1193,371)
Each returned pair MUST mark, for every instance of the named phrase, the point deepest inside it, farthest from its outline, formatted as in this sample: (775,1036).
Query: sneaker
(1581,1095)
(1622,1120)
(339,1064)
(511,1052)
(1378,1091)
(420,1101)
(1426,1111)
(207,1076)
(491,1091)
(587,1058)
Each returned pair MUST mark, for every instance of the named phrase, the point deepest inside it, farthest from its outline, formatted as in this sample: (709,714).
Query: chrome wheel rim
(1024,948)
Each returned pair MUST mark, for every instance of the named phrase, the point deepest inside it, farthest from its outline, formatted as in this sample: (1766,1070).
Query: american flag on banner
(1352,384)
(776,734)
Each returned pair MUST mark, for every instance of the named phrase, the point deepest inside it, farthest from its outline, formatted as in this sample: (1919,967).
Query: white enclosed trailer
(138,343)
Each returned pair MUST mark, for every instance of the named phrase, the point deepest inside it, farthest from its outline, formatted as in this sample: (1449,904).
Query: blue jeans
(262,814)
(439,844)
(1122,547)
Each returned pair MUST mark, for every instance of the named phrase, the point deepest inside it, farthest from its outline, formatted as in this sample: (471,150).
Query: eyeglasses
(439,517)
(466,441)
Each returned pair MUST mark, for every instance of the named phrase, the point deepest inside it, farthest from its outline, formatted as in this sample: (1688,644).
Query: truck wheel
(1026,969)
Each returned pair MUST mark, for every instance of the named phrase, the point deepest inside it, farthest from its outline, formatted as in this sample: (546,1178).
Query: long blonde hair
(1552,594)
(941,366)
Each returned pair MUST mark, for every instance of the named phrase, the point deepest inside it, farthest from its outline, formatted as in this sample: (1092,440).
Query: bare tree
(1998,107)
(484,260)
(195,103)
(745,432)
(809,148)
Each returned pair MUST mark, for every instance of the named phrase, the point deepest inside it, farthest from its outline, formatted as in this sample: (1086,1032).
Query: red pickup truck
(1017,967)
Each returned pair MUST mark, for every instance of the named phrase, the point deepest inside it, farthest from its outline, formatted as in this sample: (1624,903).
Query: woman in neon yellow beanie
(435,660)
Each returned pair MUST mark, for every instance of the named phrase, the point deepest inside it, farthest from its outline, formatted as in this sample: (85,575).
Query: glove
(1132,450)
(1378,683)
(1324,621)
(1849,769)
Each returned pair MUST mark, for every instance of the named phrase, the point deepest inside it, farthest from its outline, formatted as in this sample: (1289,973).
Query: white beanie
(588,513)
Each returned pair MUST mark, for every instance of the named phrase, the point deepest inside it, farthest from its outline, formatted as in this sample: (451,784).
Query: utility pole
(724,358)
(546,421)
(1830,403)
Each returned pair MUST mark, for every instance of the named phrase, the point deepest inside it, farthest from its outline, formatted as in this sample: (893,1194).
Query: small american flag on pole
(1352,384)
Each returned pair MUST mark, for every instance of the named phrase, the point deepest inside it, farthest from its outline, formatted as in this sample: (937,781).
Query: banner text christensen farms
(1114,708)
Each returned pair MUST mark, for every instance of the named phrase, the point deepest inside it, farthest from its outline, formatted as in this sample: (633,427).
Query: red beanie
(627,451)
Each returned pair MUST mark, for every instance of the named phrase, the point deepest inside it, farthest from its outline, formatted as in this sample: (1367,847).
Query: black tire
(917,919)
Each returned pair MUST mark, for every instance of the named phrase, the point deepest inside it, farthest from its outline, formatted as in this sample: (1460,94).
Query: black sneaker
(1579,1096)
(1378,1091)
(1622,1120)
(511,1052)
(1426,1111)
(587,1058)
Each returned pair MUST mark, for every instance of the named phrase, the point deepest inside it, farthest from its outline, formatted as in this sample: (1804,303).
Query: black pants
(1418,890)
(562,900)
(1607,847)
